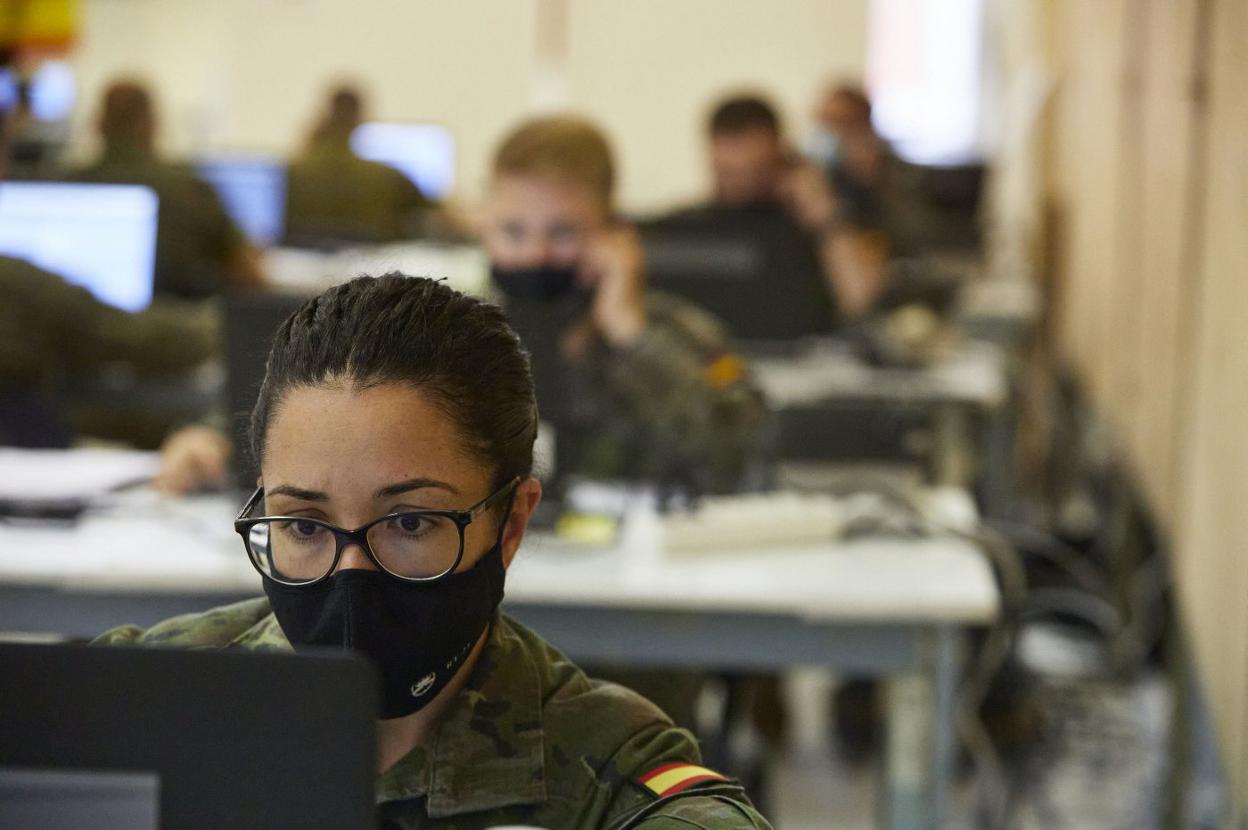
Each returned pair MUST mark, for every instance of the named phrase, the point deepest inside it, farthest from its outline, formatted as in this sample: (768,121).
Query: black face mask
(545,283)
(417,634)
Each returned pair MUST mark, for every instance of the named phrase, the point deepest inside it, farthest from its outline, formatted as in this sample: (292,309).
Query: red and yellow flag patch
(670,779)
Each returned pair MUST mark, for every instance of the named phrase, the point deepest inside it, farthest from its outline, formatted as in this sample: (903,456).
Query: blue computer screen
(425,153)
(99,236)
(253,191)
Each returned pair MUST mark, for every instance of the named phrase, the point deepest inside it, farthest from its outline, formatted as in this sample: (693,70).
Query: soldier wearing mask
(394,430)
(649,383)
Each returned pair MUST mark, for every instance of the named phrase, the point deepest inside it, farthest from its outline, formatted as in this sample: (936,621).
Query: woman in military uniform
(394,431)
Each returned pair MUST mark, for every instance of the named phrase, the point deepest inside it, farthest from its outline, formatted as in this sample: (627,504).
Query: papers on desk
(142,542)
(47,475)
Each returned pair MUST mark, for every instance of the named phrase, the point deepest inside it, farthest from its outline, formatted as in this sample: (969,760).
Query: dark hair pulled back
(418,332)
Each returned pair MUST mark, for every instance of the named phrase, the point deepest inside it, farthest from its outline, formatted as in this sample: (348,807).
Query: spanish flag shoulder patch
(670,779)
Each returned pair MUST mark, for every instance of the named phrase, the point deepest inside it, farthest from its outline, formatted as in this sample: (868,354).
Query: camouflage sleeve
(691,392)
(215,628)
(706,813)
(167,337)
(721,806)
(78,331)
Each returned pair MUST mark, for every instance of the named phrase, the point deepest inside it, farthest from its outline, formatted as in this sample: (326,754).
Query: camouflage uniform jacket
(676,404)
(529,740)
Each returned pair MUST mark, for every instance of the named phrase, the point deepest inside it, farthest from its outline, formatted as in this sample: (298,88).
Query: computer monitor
(253,191)
(251,318)
(751,267)
(8,89)
(425,153)
(214,738)
(99,236)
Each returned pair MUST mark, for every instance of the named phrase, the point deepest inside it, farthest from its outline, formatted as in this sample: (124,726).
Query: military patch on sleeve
(670,779)
(724,371)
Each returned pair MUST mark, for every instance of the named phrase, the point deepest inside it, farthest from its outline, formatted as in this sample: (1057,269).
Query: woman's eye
(409,524)
(302,530)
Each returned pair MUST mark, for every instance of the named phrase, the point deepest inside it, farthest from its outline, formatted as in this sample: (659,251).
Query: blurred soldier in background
(199,249)
(334,196)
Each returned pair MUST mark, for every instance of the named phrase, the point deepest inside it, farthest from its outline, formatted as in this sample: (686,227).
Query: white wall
(248,74)
(649,70)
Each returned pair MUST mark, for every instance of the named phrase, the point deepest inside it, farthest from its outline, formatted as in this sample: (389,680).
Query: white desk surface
(163,545)
(975,374)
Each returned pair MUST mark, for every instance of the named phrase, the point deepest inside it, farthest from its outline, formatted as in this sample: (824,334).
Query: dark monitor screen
(751,267)
(253,191)
(251,318)
(226,739)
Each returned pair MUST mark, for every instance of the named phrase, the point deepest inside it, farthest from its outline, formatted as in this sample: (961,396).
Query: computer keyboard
(720,523)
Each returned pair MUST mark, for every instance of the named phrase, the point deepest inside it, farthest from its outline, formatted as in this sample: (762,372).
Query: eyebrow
(414,484)
(297,493)
(385,492)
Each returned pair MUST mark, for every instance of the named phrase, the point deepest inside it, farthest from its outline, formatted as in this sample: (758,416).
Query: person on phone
(753,170)
(649,382)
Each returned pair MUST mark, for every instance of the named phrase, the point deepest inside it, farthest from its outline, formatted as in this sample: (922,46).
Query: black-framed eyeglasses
(413,545)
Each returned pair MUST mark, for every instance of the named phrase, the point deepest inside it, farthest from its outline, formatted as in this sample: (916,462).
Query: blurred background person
(52,332)
(334,196)
(754,172)
(854,157)
(199,250)
(649,384)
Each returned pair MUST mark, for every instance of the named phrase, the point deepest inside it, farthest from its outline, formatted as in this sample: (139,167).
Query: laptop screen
(425,153)
(99,236)
(210,738)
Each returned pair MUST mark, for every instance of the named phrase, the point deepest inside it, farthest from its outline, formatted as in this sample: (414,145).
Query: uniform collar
(488,750)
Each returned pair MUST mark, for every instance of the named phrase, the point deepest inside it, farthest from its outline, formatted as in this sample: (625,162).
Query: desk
(894,608)
(971,385)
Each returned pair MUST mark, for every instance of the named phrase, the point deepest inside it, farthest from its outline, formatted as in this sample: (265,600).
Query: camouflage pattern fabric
(530,740)
(196,240)
(676,406)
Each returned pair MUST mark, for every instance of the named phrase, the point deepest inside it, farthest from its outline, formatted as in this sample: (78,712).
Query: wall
(242,74)
(649,70)
(1145,184)
(246,74)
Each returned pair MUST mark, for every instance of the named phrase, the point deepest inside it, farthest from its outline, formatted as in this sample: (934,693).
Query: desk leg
(920,749)
(953,448)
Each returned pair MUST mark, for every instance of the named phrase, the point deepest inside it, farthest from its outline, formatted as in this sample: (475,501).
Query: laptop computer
(203,739)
